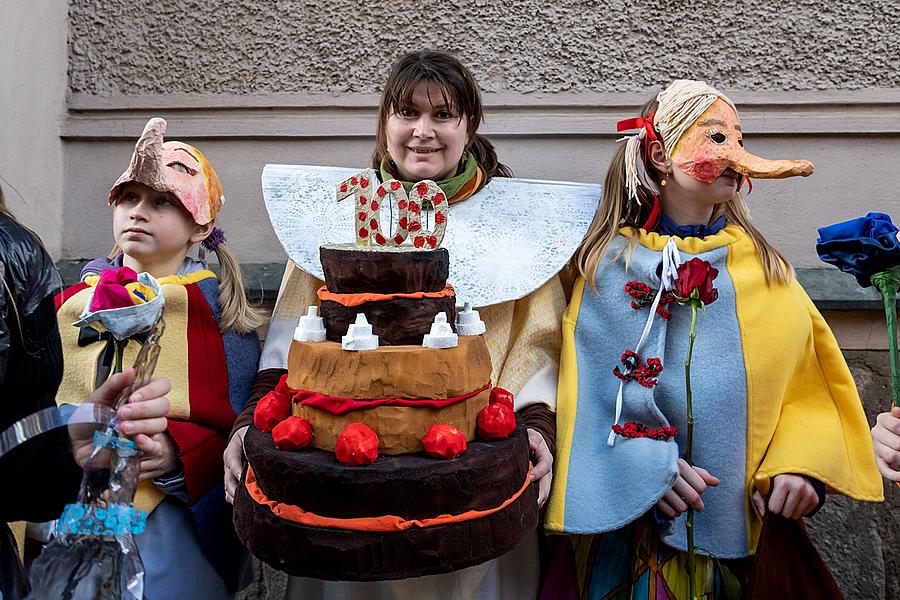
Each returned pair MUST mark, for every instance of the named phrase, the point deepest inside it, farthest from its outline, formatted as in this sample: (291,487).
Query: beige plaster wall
(853,168)
(33,62)
(297,81)
(523,46)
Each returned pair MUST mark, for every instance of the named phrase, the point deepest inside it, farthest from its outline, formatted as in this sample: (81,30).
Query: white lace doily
(504,242)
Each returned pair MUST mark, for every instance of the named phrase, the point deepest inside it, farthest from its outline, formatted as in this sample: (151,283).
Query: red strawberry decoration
(399,238)
(356,445)
(402,205)
(422,188)
(504,397)
(354,180)
(344,187)
(363,182)
(444,441)
(439,198)
(292,434)
(379,239)
(402,223)
(496,421)
(271,410)
(419,241)
(415,226)
(373,224)
(381,192)
(395,185)
(439,218)
(414,207)
(363,232)
(374,204)
(361,215)
(431,241)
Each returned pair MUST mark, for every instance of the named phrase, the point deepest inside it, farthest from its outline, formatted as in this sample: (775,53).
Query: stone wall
(523,46)
(858,540)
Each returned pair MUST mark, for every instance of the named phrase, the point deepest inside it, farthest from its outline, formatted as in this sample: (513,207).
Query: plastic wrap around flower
(861,247)
(123,303)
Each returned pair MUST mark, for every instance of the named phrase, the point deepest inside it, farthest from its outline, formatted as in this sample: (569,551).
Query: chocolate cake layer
(337,554)
(396,322)
(411,486)
(350,269)
(390,371)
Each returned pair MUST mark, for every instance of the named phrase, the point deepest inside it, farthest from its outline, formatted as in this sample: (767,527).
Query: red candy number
(409,210)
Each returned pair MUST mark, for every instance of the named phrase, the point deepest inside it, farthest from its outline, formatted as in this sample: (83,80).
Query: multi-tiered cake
(448,485)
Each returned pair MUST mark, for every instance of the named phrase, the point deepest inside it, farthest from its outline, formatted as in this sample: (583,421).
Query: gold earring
(663,182)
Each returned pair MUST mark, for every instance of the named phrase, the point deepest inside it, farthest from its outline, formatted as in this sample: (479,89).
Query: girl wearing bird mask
(777,419)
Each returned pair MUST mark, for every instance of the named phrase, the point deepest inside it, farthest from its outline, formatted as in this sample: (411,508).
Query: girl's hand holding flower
(160,458)
(143,417)
(690,484)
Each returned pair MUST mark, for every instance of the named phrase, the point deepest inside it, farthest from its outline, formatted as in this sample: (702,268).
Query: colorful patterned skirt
(632,564)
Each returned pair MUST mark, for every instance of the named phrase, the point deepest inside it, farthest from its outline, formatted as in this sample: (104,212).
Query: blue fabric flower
(861,247)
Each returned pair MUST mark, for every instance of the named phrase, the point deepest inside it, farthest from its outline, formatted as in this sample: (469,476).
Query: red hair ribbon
(637,123)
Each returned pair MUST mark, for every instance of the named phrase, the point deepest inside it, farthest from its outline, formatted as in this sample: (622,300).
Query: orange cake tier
(400,428)
(398,391)
(390,371)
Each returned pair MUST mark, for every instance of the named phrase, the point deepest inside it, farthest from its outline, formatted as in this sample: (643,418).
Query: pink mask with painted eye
(714,143)
(173,167)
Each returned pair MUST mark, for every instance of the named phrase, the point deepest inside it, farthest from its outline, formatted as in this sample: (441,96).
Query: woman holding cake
(427,129)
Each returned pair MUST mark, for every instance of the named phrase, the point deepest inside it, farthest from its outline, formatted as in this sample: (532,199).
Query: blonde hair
(236,312)
(631,183)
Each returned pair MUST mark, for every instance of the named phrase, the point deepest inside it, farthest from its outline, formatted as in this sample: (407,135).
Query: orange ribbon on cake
(385,523)
(363,297)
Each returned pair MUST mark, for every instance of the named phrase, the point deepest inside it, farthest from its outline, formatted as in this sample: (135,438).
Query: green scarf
(449,186)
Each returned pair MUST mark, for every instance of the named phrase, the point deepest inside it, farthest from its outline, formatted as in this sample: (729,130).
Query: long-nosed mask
(714,143)
(173,167)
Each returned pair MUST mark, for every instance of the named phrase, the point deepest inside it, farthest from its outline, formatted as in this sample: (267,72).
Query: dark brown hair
(458,89)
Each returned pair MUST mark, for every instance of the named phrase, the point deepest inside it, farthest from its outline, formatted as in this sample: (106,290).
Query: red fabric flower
(292,434)
(496,421)
(636,370)
(502,396)
(111,292)
(271,410)
(444,441)
(643,295)
(356,445)
(637,430)
(695,282)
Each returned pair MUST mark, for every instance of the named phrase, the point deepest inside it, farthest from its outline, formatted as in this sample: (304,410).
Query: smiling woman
(428,124)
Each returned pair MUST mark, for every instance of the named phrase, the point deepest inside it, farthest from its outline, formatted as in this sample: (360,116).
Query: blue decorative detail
(861,247)
(115,519)
(104,439)
(669,227)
